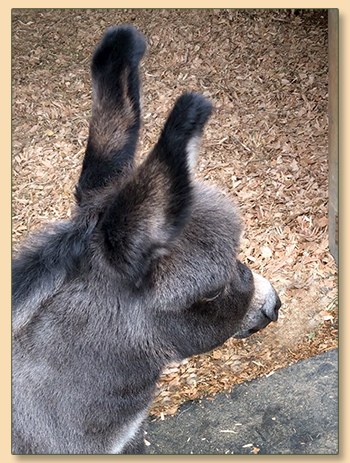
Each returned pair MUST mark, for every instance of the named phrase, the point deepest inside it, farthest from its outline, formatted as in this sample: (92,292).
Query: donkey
(144,273)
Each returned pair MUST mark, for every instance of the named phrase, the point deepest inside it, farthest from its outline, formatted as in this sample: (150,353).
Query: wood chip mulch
(266,146)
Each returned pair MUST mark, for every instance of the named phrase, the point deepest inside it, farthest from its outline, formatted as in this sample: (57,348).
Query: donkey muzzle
(263,308)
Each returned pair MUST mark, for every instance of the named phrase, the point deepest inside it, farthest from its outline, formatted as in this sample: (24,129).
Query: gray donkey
(144,273)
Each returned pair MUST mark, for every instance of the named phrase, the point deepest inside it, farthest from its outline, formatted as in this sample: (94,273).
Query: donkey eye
(212,295)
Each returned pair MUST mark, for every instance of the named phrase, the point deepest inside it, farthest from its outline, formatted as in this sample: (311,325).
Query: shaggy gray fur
(144,273)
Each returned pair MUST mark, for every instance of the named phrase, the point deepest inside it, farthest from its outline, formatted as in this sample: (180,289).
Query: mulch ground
(266,146)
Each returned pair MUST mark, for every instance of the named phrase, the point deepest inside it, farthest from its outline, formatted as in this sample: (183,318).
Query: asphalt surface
(292,411)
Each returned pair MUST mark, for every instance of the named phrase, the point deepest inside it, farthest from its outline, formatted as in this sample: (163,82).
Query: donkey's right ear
(149,213)
(115,120)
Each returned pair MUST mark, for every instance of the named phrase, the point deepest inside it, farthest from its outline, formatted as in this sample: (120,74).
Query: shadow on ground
(293,411)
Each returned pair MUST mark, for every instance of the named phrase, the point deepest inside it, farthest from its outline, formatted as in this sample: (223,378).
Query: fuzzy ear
(115,119)
(152,209)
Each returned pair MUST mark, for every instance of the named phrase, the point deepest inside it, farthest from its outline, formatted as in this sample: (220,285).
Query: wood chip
(266,146)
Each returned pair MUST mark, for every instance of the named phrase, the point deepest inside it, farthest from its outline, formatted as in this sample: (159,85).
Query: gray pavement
(292,411)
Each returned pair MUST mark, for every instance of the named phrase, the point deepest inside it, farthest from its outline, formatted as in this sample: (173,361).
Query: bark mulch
(266,146)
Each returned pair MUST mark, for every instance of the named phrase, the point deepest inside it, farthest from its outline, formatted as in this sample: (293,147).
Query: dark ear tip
(196,103)
(125,42)
(126,35)
(191,111)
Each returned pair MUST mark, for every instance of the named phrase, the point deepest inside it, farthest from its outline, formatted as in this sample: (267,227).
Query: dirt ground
(266,144)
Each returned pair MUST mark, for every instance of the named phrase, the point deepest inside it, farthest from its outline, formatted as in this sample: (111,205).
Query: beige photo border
(5,185)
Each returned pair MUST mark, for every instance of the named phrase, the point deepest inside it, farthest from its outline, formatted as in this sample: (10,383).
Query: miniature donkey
(144,273)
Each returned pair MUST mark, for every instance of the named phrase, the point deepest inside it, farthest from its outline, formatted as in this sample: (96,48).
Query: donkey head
(151,236)
(170,240)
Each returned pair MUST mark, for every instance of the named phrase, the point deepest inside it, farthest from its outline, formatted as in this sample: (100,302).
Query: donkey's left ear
(154,206)
(115,119)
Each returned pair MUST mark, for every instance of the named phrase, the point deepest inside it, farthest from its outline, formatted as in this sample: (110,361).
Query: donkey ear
(154,206)
(115,119)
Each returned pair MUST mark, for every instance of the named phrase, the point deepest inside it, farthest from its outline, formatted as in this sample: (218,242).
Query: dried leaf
(266,252)
(265,146)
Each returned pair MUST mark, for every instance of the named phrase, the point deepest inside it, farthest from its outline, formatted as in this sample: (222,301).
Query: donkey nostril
(276,308)
(271,311)
(278,304)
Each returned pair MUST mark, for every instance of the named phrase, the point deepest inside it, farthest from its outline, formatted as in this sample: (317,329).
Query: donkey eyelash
(211,296)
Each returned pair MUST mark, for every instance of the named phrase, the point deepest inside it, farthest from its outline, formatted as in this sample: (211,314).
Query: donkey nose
(271,310)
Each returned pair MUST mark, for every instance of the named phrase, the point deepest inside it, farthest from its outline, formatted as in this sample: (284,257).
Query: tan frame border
(5,185)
